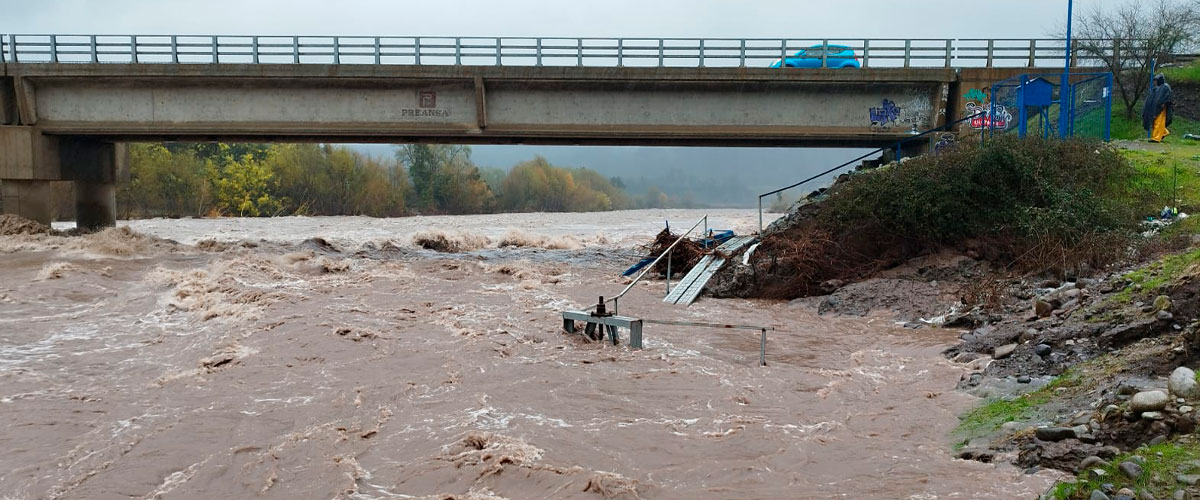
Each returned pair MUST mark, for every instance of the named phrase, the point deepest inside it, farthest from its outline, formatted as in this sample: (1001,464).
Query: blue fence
(1034,104)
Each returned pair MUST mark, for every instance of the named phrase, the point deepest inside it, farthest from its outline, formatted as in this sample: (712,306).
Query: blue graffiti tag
(888,112)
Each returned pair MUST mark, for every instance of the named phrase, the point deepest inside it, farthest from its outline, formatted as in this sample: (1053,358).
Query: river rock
(1188,479)
(1042,308)
(1042,350)
(1183,383)
(1091,461)
(1054,433)
(1164,316)
(1148,401)
(1130,470)
(1098,495)
(1152,415)
(1162,303)
(1004,351)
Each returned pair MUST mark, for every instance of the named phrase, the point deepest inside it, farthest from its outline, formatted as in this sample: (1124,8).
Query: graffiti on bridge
(986,119)
(885,115)
(915,111)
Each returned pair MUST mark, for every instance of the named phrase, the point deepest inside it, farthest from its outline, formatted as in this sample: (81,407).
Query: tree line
(260,180)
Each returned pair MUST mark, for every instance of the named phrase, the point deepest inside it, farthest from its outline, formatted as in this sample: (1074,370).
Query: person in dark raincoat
(1159,109)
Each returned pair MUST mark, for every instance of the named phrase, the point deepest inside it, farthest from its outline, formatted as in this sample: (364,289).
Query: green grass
(1131,128)
(987,419)
(1189,73)
(1164,460)
(1145,281)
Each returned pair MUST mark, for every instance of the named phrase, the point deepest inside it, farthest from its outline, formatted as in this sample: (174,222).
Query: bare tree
(1127,38)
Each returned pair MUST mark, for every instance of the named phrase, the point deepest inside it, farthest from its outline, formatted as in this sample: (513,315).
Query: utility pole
(1066,98)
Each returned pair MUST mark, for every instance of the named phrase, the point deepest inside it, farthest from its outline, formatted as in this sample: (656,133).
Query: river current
(329,357)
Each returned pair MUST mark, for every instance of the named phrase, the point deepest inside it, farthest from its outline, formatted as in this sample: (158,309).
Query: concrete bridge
(67,120)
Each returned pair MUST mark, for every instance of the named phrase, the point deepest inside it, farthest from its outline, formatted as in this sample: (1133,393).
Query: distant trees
(1129,36)
(309,179)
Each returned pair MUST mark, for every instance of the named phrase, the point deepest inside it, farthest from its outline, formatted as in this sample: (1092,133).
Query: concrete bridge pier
(30,160)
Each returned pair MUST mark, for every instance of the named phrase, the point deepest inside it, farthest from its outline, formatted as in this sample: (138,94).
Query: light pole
(1066,98)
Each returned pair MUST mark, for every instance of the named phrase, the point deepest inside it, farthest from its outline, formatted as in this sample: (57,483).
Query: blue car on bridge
(838,56)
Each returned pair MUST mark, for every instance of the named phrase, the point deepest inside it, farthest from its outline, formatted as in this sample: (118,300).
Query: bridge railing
(540,51)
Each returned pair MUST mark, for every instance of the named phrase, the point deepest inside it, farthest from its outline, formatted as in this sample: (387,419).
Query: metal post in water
(668,273)
(760,227)
(762,349)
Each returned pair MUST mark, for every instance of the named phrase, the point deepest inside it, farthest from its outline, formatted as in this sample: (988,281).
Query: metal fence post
(620,52)
(378,54)
(93,47)
(133,48)
(661,58)
(866,53)
(499,49)
(824,53)
(53,48)
(417,50)
(760,225)
(991,51)
(174,49)
(783,53)
(458,51)
(539,51)
(701,52)
(579,52)
(337,49)
(907,53)
(1032,52)
(762,349)
(948,53)
(296,49)
(669,272)
(742,58)
(254,49)
(216,55)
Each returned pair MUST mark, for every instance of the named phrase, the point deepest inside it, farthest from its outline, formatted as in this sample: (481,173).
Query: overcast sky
(595,18)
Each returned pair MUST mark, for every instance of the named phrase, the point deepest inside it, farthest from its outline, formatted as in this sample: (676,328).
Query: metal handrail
(532,51)
(647,269)
(762,350)
(895,146)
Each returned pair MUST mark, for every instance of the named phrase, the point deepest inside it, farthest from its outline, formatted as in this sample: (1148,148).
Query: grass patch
(1149,279)
(1131,128)
(1164,460)
(987,419)
(1189,73)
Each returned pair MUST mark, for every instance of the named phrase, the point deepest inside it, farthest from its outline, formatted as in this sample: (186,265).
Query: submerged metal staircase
(693,283)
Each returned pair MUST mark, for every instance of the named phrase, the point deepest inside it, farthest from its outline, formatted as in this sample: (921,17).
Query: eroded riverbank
(366,368)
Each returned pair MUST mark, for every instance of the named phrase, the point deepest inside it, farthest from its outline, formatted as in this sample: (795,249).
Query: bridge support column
(29,199)
(94,167)
(95,204)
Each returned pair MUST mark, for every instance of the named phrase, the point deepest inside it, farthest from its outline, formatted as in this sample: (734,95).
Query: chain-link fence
(1033,105)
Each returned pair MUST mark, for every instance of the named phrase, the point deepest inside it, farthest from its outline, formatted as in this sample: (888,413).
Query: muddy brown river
(243,360)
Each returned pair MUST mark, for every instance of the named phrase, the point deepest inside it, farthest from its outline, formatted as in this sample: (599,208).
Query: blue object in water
(636,267)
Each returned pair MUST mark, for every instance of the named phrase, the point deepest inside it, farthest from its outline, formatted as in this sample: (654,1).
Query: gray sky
(604,18)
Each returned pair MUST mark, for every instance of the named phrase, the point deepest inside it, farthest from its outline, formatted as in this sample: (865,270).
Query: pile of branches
(683,257)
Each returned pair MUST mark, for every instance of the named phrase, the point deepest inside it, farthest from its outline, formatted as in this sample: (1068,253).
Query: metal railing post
(824,53)
(742,53)
(620,52)
(701,52)
(866,52)
(539,52)
(907,53)
(92,45)
(296,50)
(417,50)
(378,52)
(948,53)
(53,48)
(458,51)
(174,49)
(760,223)
(337,49)
(579,52)
(762,349)
(499,49)
(3,48)
(1032,52)
(254,49)
(216,55)
(661,55)
(991,51)
(669,273)
(133,49)
(783,53)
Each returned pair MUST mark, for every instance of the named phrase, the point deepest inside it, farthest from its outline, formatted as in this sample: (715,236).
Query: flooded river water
(243,360)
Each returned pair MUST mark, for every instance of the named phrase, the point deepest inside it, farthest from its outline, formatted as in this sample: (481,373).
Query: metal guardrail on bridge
(533,51)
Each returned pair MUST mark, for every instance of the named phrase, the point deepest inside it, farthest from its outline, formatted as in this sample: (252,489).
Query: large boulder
(1004,351)
(1183,383)
(1148,401)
